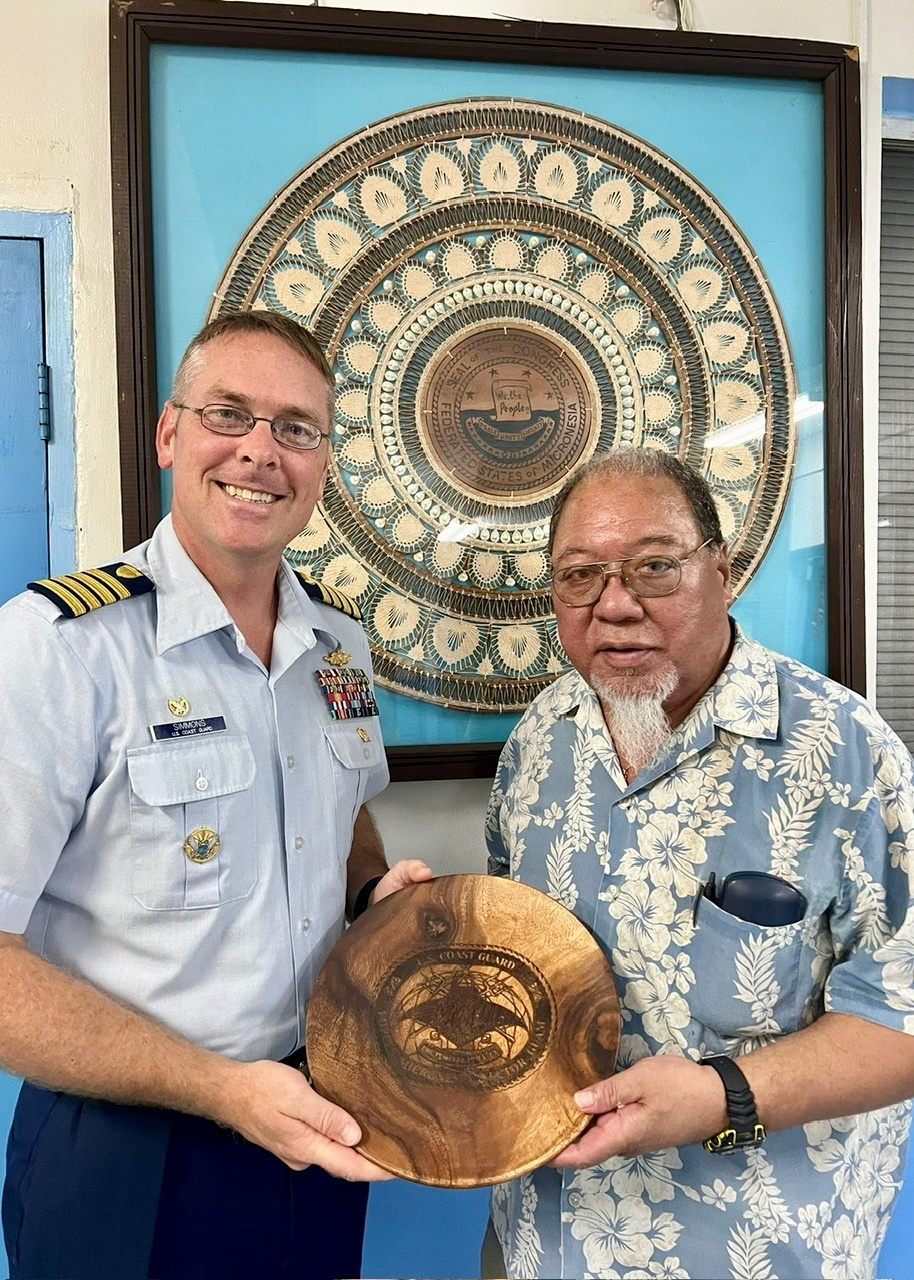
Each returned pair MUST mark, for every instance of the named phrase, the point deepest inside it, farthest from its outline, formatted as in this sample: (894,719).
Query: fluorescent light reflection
(754,428)
(457,531)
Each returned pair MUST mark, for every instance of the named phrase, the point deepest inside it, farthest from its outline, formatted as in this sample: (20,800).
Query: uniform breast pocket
(355,748)
(193,822)
(748,977)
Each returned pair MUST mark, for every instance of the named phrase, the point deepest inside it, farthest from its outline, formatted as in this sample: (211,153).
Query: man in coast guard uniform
(190,737)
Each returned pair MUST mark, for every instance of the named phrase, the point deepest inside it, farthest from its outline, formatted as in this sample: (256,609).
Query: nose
(258,447)
(616,602)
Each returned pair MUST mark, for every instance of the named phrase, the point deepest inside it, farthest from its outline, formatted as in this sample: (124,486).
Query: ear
(723,568)
(320,492)
(166,427)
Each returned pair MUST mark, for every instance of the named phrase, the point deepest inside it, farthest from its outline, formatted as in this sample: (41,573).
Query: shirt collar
(189,607)
(303,617)
(744,699)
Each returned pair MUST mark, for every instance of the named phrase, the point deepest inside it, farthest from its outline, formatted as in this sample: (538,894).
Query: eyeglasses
(227,420)
(647,576)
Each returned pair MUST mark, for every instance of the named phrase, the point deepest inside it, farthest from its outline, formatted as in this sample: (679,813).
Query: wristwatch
(744,1128)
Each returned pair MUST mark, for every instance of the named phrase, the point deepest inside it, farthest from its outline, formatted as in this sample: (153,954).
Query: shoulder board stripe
(107,587)
(82,588)
(329,595)
(77,594)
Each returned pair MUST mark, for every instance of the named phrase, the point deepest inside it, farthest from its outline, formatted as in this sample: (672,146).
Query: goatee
(637,721)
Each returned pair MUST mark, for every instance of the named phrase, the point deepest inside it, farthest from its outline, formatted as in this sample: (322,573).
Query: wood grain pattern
(455,1020)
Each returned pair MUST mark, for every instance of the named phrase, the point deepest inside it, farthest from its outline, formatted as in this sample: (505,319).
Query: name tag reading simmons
(187,728)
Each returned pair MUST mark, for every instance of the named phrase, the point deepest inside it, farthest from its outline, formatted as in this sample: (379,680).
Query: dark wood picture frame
(138,25)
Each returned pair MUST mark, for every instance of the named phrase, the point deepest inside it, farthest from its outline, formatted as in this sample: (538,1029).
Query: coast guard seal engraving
(478,1018)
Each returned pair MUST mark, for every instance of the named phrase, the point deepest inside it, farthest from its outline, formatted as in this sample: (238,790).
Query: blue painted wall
(424,1231)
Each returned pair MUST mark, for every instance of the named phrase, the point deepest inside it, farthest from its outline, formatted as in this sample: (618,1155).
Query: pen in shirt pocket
(754,896)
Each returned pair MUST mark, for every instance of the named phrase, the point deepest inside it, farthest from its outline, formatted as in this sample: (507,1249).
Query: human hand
(273,1106)
(653,1104)
(403,873)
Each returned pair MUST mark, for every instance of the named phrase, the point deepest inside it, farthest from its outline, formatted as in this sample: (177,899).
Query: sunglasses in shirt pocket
(752,977)
(756,896)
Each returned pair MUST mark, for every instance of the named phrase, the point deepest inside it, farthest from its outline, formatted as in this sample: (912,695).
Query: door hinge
(44,402)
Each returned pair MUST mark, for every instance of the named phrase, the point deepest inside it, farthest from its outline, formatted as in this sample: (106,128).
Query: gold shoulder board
(76,594)
(329,595)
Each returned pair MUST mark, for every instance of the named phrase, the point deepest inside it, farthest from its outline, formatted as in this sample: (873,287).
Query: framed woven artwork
(520,244)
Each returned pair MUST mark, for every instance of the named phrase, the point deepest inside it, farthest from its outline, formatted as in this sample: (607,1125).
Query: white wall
(54,156)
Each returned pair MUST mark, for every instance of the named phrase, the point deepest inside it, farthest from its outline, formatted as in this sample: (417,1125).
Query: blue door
(23,452)
(23,467)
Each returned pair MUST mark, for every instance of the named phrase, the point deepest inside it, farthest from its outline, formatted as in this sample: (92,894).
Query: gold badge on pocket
(202,844)
(178,707)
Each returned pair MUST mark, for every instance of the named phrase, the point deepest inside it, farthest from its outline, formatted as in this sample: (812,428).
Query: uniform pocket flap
(181,772)
(356,744)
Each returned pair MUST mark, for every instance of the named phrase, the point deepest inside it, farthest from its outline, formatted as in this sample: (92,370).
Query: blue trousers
(96,1191)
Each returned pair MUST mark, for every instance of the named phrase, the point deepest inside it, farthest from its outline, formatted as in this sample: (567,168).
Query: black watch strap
(361,901)
(744,1129)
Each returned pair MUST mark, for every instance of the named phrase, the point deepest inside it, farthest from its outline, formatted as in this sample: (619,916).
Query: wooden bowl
(455,1020)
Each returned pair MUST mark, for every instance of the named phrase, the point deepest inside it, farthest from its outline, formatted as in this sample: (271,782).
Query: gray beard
(637,722)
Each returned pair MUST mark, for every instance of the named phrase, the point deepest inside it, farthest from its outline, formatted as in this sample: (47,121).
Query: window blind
(895,545)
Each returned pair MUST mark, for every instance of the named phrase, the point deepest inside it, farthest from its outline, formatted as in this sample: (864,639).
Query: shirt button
(299,842)
(290,761)
(202,783)
(612,892)
(305,925)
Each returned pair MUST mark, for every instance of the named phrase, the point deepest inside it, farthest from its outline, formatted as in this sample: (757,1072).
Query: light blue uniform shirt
(96,812)
(777,770)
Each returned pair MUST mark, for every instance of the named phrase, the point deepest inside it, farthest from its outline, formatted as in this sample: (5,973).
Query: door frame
(54,232)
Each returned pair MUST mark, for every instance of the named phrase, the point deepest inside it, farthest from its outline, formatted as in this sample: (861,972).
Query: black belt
(298,1059)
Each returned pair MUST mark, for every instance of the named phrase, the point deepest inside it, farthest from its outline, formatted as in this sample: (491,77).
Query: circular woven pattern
(505,289)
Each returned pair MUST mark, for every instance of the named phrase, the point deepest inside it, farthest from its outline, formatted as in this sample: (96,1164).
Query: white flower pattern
(776,769)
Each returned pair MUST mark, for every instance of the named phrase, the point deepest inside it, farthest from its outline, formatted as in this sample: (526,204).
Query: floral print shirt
(776,769)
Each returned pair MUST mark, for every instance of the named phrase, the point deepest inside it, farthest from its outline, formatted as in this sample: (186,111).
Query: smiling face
(238,501)
(624,646)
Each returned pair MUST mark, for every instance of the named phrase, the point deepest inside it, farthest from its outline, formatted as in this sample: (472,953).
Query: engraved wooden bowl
(455,1020)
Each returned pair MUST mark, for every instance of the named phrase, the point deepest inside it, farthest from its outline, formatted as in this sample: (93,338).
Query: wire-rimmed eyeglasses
(229,420)
(647,576)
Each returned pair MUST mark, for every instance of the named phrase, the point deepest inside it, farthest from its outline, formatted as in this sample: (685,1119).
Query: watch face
(733,1140)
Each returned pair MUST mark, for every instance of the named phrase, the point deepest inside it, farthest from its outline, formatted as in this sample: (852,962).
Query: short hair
(289,331)
(631,461)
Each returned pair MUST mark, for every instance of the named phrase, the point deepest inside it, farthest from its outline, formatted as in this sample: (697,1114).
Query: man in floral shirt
(677,753)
